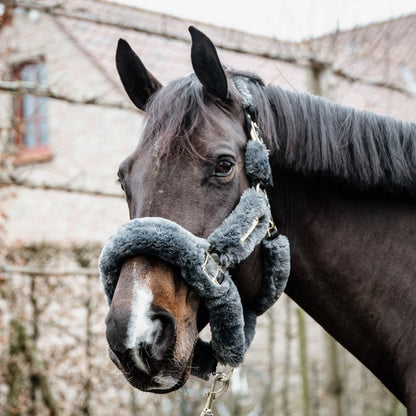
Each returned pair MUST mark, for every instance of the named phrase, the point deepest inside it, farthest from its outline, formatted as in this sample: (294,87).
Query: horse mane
(305,133)
(314,136)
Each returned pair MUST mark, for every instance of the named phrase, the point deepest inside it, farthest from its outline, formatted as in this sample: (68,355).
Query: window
(31,117)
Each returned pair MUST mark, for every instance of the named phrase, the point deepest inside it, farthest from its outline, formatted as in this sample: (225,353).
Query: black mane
(317,136)
(305,133)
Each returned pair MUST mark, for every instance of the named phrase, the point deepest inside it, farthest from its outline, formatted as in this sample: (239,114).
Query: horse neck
(342,268)
(353,263)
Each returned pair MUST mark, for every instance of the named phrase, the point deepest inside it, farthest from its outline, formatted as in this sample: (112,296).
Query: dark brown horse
(344,194)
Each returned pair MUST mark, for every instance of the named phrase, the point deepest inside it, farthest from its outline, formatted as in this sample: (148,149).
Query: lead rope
(213,394)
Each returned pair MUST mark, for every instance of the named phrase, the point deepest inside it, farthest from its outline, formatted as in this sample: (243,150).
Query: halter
(204,263)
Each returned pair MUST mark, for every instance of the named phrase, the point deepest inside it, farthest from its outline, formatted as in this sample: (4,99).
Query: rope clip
(212,394)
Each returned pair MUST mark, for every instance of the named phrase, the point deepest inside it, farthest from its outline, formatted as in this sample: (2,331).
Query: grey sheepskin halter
(204,263)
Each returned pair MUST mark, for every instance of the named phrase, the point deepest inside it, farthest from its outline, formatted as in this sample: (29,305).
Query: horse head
(188,168)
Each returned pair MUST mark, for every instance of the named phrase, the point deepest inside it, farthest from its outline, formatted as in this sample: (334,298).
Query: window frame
(36,147)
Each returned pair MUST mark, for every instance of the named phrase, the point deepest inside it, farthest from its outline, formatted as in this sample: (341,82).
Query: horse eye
(224,167)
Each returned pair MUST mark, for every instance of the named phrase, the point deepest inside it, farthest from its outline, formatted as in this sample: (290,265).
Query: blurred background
(66,124)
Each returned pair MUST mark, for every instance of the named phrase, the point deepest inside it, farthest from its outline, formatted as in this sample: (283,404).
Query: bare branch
(41,272)
(11,180)
(59,10)
(23,87)
(302,60)
(372,83)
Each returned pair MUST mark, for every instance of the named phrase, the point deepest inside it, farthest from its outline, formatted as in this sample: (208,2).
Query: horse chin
(172,377)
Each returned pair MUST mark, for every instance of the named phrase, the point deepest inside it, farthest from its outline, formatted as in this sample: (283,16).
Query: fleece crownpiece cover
(204,265)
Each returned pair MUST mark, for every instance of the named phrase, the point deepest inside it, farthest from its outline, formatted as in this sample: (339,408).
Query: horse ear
(138,82)
(207,65)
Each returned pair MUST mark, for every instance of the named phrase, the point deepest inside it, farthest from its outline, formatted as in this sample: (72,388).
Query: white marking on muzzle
(140,326)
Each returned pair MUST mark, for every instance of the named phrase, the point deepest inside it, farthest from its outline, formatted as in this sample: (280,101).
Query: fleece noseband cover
(204,263)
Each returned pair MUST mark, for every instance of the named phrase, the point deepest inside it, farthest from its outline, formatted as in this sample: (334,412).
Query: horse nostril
(144,344)
(164,334)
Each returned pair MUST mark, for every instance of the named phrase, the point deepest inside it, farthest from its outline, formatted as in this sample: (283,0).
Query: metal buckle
(212,277)
(272,228)
(254,224)
(212,394)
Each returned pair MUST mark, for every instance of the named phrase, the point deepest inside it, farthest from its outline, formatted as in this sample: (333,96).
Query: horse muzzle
(146,342)
(151,367)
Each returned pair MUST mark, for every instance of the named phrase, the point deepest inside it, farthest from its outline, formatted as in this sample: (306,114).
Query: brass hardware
(212,277)
(212,394)
(254,224)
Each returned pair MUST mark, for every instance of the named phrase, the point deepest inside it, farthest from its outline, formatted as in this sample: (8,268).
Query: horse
(344,194)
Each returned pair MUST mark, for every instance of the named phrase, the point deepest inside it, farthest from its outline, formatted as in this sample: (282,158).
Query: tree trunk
(287,362)
(269,399)
(335,384)
(303,358)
